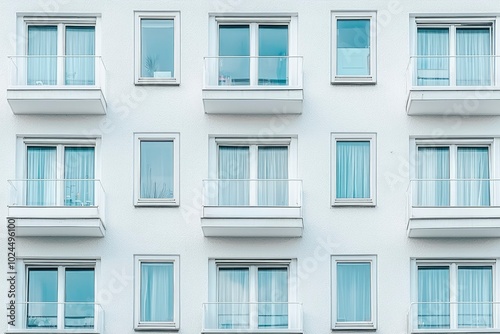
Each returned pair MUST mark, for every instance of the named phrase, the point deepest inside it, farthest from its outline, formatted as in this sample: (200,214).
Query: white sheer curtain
(80,41)
(273,165)
(233,294)
(273,297)
(41,166)
(42,44)
(475,294)
(234,166)
(79,170)
(157,292)
(473,57)
(157,169)
(433,60)
(42,298)
(353,169)
(433,297)
(433,174)
(473,168)
(353,292)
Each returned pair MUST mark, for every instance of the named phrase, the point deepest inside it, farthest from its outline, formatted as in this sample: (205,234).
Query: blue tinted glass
(234,47)
(157,169)
(157,49)
(42,298)
(353,292)
(79,298)
(273,49)
(353,47)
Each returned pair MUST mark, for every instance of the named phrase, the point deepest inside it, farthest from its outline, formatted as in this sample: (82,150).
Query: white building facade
(229,166)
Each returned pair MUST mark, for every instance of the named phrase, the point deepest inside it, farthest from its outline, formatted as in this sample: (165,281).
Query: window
(354,47)
(354,292)
(254,51)
(453,294)
(455,52)
(60,51)
(354,169)
(157,48)
(156,169)
(60,295)
(253,295)
(60,172)
(156,292)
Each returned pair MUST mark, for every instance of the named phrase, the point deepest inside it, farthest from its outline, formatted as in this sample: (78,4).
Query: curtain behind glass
(473,57)
(157,169)
(42,298)
(234,165)
(79,297)
(157,292)
(273,297)
(42,51)
(273,42)
(234,43)
(353,169)
(80,41)
(475,294)
(79,170)
(433,174)
(433,297)
(41,166)
(233,296)
(353,47)
(473,167)
(353,292)
(273,165)
(433,60)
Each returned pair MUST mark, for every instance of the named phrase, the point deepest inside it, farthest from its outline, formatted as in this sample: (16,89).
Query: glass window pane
(353,169)
(41,175)
(475,297)
(353,47)
(353,292)
(234,50)
(272,172)
(433,57)
(273,297)
(79,163)
(42,51)
(273,52)
(473,185)
(473,57)
(157,48)
(157,292)
(233,294)
(433,297)
(234,172)
(42,298)
(157,169)
(433,174)
(80,46)
(79,298)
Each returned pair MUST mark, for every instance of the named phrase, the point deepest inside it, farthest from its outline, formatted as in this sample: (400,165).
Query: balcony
(252,318)
(57,208)
(454,317)
(252,85)
(252,208)
(453,208)
(57,85)
(49,318)
(453,85)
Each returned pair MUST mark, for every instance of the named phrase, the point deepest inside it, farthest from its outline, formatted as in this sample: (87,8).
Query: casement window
(156,161)
(157,48)
(354,292)
(156,304)
(354,47)
(60,50)
(60,295)
(454,295)
(254,51)
(354,169)
(454,52)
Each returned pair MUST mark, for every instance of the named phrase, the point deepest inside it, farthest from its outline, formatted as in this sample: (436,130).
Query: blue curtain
(234,166)
(353,47)
(42,298)
(433,297)
(273,297)
(433,174)
(42,51)
(473,170)
(42,170)
(157,169)
(433,57)
(353,292)
(473,57)
(233,294)
(273,164)
(79,296)
(157,292)
(475,294)
(79,165)
(353,169)
(80,41)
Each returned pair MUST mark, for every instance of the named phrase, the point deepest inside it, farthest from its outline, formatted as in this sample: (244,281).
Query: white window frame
(354,79)
(365,325)
(453,284)
(169,15)
(156,136)
(364,136)
(138,324)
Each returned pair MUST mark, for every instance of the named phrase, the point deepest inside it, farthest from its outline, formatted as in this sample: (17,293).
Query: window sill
(367,202)
(157,82)
(354,80)
(155,203)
